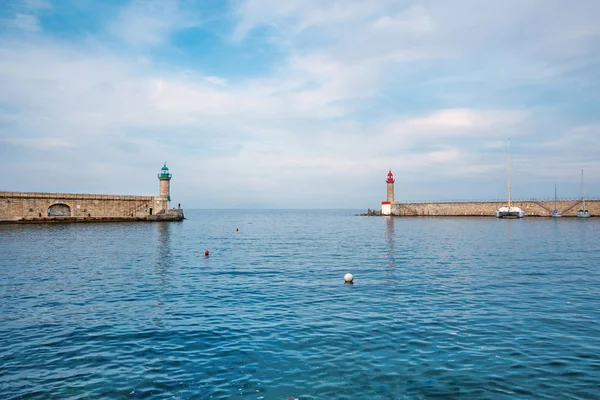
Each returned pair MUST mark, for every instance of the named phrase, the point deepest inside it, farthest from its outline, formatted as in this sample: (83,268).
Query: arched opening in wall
(59,210)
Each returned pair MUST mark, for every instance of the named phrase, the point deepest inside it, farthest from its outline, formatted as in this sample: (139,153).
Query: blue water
(449,308)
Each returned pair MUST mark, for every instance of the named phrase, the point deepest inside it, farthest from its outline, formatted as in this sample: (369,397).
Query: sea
(440,308)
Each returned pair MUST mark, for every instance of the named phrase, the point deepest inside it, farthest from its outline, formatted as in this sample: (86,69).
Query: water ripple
(441,308)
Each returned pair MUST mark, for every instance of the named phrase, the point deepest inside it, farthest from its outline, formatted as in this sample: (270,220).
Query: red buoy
(237,229)
(206,253)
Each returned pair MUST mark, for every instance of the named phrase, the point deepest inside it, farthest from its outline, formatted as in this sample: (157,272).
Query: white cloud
(151,22)
(414,20)
(24,15)
(467,118)
(26,22)
(296,16)
(455,124)
(37,5)
(361,87)
(268,132)
(216,80)
(44,143)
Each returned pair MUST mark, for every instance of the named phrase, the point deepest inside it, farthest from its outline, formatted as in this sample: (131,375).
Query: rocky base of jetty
(371,213)
(174,214)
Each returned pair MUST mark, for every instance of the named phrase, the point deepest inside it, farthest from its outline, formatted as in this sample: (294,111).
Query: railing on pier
(499,200)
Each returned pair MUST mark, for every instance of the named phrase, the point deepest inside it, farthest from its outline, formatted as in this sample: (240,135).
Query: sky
(301,103)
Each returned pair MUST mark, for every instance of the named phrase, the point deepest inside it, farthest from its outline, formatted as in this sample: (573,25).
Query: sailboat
(555,212)
(509,212)
(582,213)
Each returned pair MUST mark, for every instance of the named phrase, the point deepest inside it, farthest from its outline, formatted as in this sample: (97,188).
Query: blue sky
(300,103)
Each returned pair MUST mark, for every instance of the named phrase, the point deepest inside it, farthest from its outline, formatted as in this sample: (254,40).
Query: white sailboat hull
(555,212)
(583,214)
(509,212)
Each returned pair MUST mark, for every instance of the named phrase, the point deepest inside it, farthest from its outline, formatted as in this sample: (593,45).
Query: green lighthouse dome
(164,172)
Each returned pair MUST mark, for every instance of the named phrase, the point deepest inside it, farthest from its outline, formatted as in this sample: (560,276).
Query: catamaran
(555,212)
(509,212)
(582,213)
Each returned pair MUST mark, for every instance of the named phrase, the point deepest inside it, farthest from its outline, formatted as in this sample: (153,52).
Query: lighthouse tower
(390,186)
(386,206)
(164,177)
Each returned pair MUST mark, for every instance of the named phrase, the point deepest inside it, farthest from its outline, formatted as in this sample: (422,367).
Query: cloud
(24,15)
(37,5)
(464,118)
(39,143)
(216,80)
(471,128)
(151,22)
(26,22)
(296,16)
(345,90)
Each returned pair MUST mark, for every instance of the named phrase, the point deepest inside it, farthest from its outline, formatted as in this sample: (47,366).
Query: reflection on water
(390,235)
(164,257)
(390,240)
(163,269)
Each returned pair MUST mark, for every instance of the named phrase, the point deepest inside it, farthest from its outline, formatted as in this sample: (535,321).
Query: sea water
(449,308)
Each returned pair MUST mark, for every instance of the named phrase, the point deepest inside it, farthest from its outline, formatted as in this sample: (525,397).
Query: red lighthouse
(386,206)
(390,186)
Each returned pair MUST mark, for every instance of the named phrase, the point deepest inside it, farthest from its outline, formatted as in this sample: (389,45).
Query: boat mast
(555,196)
(508,174)
(582,197)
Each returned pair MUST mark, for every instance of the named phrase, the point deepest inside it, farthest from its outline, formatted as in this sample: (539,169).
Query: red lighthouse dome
(390,177)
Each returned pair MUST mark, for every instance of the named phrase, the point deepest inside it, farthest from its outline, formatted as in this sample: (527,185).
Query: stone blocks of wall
(532,208)
(16,206)
(165,187)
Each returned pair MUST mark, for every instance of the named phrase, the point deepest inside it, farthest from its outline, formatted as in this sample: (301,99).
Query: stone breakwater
(35,207)
(532,208)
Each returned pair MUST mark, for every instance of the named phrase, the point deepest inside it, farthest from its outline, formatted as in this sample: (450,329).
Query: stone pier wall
(532,208)
(24,206)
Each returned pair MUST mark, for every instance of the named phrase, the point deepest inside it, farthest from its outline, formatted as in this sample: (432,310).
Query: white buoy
(348,278)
